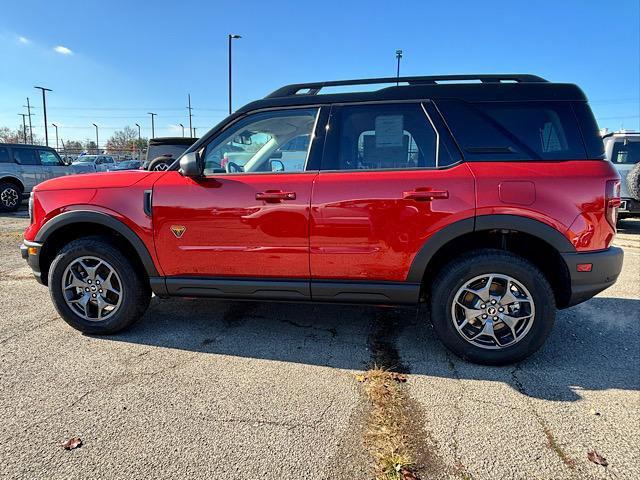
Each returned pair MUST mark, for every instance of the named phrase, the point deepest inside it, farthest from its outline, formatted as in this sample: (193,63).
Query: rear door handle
(275,196)
(425,195)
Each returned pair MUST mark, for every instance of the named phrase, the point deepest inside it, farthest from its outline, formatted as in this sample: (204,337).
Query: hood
(122,179)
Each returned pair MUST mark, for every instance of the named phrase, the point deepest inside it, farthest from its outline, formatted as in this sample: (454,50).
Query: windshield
(626,152)
(85,159)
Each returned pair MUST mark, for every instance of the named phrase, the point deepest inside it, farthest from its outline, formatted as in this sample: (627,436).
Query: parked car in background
(623,150)
(162,152)
(125,165)
(24,166)
(99,163)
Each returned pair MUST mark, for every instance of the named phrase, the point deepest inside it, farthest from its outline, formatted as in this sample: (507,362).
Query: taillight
(612,201)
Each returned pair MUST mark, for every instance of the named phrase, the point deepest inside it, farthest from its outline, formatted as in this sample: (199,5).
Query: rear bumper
(629,207)
(606,266)
(33,259)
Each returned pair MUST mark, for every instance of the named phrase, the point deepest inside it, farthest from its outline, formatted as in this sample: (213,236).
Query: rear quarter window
(515,130)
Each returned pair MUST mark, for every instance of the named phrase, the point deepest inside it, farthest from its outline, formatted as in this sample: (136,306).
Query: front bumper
(30,251)
(605,268)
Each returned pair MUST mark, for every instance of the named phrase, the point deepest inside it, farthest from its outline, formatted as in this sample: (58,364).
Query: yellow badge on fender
(178,230)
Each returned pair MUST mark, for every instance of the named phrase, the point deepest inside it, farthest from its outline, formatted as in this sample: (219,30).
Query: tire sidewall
(131,285)
(461,273)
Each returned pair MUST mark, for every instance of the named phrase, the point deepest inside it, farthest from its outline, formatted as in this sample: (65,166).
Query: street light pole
(194,132)
(44,109)
(231,37)
(153,125)
(189,108)
(56,127)
(24,126)
(183,129)
(97,143)
(398,56)
(139,137)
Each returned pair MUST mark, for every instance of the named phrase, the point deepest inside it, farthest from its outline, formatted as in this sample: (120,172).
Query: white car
(622,149)
(100,163)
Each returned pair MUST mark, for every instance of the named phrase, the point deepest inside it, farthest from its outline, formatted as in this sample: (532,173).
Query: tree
(123,140)
(8,135)
(72,146)
(90,146)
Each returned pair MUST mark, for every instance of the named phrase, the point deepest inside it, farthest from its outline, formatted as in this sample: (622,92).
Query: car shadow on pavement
(593,346)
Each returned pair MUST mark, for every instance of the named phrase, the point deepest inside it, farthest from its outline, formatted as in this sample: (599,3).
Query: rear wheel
(10,197)
(159,165)
(95,288)
(492,307)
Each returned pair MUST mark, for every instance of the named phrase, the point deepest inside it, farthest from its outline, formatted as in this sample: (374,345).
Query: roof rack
(315,87)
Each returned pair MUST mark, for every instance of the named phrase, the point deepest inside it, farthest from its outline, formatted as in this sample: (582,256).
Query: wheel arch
(532,239)
(81,223)
(13,179)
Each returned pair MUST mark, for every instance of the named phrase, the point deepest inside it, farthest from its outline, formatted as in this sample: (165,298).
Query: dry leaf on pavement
(596,458)
(72,443)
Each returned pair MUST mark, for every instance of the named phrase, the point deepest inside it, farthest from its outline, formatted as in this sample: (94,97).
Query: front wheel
(95,288)
(492,307)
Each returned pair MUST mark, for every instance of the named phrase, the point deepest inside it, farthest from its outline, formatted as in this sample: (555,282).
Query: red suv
(485,196)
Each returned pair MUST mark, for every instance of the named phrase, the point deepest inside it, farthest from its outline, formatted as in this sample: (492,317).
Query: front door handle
(420,195)
(275,196)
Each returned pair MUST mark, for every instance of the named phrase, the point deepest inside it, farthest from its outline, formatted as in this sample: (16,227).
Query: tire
(158,165)
(132,301)
(633,182)
(475,266)
(10,197)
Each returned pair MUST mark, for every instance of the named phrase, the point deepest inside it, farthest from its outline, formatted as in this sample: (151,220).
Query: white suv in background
(623,150)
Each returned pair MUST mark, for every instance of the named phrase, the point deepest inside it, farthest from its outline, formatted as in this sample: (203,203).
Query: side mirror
(276,166)
(190,165)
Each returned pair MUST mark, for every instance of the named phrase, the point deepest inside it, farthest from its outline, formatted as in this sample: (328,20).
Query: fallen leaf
(408,474)
(360,378)
(596,458)
(72,443)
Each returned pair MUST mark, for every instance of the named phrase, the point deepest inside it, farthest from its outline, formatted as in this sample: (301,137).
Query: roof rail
(315,87)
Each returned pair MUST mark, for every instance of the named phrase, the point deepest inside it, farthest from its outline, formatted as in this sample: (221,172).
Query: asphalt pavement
(212,389)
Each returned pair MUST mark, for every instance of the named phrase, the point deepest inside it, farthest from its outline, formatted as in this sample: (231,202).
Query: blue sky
(122,59)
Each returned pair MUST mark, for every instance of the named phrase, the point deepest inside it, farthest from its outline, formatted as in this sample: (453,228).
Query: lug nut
(97,282)
(495,318)
(501,309)
(493,302)
(484,315)
(483,306)
(89,282)
(100,290)
(86,289)
(93,295)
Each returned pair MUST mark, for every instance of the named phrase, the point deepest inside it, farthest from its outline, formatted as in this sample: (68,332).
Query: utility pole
(153,127)
(183,130)
(24,126)
(189,108)
(29,107)
(44,109)
(97,144)
(398,56)
(56,127)
(231,37)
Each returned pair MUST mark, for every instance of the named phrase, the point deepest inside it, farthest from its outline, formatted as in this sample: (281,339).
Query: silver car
(623,150)
(98,163)
(22,167)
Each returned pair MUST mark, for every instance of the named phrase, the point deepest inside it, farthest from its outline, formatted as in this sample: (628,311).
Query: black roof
(496,87)
(30,145)
(172,141)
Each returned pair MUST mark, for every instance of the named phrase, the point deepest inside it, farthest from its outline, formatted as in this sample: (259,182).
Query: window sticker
(389,131)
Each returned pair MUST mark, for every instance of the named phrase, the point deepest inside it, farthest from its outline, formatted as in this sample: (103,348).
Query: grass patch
(387,424)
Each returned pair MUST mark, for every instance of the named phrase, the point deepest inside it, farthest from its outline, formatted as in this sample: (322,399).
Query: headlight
(31,208)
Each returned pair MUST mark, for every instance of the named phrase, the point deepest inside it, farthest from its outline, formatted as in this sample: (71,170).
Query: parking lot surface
(211,389)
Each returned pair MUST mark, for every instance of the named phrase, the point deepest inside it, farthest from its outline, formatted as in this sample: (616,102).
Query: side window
(49,158)
(108,160)
(381,136)
(626,152)
(4,155)
(25,156)
(255,144)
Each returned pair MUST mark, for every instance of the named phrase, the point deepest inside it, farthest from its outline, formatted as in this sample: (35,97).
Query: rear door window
(49,158)
(381,136)
(25,156)
(626,152)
